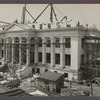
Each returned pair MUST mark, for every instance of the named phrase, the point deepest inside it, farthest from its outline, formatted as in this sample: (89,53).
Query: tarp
(38,93)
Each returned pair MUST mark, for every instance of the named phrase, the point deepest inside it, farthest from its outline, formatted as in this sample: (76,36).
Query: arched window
(16,40)
(2,42)
(23,48)
(32,40)
(24,40)
(16,50)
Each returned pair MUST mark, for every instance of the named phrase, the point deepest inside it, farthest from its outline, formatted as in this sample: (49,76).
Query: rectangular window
(57,58)
(67,42)
(2,42)
(57,43)
(41,26)
(2,53)
(67,60)
(33,26)
(82,59)
(48,57)
(82,42)
(87,58)
(40,42)
(48,43)
(66,75)
(49,25)
(40,57)
(55,71)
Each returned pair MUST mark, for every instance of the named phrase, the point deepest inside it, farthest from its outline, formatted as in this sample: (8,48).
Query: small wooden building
(51,81)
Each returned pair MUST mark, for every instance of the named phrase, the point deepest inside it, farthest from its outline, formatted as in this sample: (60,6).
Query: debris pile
(28,85)
(74,92)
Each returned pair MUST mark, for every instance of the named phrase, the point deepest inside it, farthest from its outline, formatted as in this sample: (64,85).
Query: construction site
(37,56)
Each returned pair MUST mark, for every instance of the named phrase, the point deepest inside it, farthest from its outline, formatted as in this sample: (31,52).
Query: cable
(59,11)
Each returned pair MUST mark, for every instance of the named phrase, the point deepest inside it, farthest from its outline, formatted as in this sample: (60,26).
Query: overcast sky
(85,13)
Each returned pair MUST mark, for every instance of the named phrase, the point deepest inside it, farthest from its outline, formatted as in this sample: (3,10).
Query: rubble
(38,93)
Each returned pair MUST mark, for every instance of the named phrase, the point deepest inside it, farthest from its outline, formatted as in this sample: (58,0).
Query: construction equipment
(51,14)
(24,14)
(92,49)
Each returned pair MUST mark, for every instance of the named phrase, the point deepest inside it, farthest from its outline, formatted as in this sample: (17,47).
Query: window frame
(68,42)
(48,54)
(57,42)
(57,58)
(40,58)
(67,60)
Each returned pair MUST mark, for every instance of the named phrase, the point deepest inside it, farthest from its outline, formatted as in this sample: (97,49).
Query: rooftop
(52,76)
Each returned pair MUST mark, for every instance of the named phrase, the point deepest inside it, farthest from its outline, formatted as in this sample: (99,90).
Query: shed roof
(52,76)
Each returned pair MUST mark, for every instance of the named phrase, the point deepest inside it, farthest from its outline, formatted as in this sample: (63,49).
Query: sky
(84,13)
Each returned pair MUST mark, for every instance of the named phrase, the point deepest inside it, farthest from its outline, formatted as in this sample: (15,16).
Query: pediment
(16,27)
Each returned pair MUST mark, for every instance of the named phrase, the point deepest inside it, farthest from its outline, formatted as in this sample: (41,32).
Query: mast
(23,14)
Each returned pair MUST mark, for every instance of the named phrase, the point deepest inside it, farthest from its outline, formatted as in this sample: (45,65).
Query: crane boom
(40,14)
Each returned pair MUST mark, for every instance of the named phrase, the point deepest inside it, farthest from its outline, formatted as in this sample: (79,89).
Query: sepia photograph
(49,50)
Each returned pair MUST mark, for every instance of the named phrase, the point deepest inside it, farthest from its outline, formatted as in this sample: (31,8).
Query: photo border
(53,2)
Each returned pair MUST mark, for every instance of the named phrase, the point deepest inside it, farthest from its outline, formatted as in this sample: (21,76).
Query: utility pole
(91,89)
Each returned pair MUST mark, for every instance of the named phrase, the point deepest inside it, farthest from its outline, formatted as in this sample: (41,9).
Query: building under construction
(55,47)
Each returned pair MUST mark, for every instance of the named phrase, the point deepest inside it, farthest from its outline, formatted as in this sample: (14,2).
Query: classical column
(44,51)
(28,52)
(12,51)
(0,48)
(62,53)
(4,50)
(36,52)
(20,51)
(52,52)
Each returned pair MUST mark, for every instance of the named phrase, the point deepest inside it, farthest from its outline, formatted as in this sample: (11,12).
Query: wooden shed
(51,81)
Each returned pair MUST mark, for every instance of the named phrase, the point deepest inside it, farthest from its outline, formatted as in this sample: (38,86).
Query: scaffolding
(91,67)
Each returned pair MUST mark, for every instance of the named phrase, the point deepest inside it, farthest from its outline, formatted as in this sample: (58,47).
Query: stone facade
(55,49)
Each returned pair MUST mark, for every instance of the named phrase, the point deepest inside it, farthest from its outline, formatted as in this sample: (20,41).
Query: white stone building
(57,48)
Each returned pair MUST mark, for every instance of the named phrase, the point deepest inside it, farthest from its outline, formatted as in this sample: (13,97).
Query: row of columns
(62,59)
(62,54)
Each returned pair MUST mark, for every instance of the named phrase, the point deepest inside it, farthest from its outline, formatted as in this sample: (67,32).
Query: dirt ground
(28,85)
(96,88)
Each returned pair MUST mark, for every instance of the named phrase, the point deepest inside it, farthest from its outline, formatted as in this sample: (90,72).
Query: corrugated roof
(52,76)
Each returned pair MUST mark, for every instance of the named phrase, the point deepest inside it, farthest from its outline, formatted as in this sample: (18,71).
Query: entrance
(46,70)
(38,70)
(33,70)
